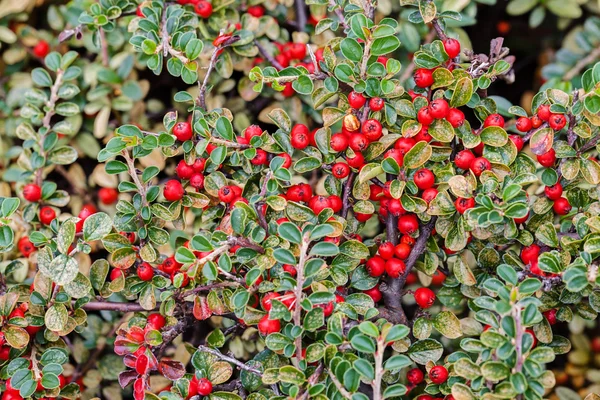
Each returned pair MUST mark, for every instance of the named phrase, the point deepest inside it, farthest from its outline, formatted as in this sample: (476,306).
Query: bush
(322,211)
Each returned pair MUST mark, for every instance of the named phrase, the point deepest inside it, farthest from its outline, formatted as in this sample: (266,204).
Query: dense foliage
(331,206)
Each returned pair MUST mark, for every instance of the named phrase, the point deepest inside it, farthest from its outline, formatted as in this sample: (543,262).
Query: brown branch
(265,54)
(229,359)
(438,29)
(201,100)
(301,14)
(347,194)
(340,14)
(115,306)
(103,46)
(134,175)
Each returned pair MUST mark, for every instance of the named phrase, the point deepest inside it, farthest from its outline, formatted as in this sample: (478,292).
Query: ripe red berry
(479,165)
(524,124)
(439,108)
(561,206)
(396,154)
(408,224)
(32,192)
(226,194)
(394,267)
(197,181)
(424,179)
(404,144)
(108,195)
(260,158)
(494,120)
(204,387)
(595,345)
(357,161)
(251,131)
(25,246)
(203,8)
(372,130)
(424,116)
(356,100)
(424,297)
(551,316)
(199,164)
(463,204)
(547,159)
(543,112)
(557,121)
(173,190)
(267,326)
(517,141)
(415,376)
(41,49)
(464,159)
(300,136)
(375,266)
(116,274)
(47,215)
(156,321)
(339,142)
(386,250)
(455,117)
(423,135)
(530,254)
(402,251)
(297,51)
(536,121)
(145,271)
(319,203)
(340,170)
(395,208)
(452,47)
(554,192)
(182,131)
(424,77)
(358,142)
(374,293)
(438,374)
(376,103)
(256,11)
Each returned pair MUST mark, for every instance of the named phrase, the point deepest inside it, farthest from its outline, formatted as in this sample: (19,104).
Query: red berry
(408,240)
(415,376)
(226,194)
(557,121)
(300,136)
(372,130)
(494,120)
(424,77)
(464,159)
(452,47)
(547,159)
(395,207)
(267,326)
(156,321)
(290,269)
(530,254)
(204,387)
(386,250)
(182,131)
(374,293)
(340,170)
(356,100)
(108,195)
(551,316)
(424,297)
(41,49)
(203,8)
(394,267)
(145,271)
(596,344)
(423,135)
(358,142)
(199,164)
(197,181)
(408,224)
(536,121)
(561,206)
(376,104)
(524,124)
(517,141)
(260,158)
(32,192)
(402,251)
(339,142)
(319,203)
(455,117)
(327,308)
(439,108)
(424,116)
(297,51)
(479,165)
(173,190)
(116,274)
(251,131)
(287,160)
(357,161)
(543,112)
(25,246)
(404,144)
(554,192)
(375,266)
(256,11)
(438,374)
(463,204)
(266,300)
(47,215)
(396,154)
(424,179)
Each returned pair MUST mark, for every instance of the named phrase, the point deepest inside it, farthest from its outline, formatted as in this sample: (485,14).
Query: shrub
(310,218)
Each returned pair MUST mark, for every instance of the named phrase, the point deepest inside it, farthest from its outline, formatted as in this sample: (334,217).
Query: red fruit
(319,203)
(376,104)
(530,254)
(290,269)
(156,321)
(375,266)
(300,136)
(47,215)
(494,120)
(25,246)
(424,116)
(356,100)
(173,190)
(557,121)
(424,179)
(339,142)
(438,278)
(438,374)
(297,51)
(32,192)
(424,297)
(267,326)
(554,192)
(395,207)
(415,376)
(197,181)
(479,165)
(375,192)
(226,194)
(266,300)
(561,206)
(287,160)
(108,195)
(452,47)
(203,8)
(386,250)
(518,141)
(543,112)
(116,274)
(423,77)
(357,161)
(340,170)
(394,267)
(404,144)
(524,124)
(327,308)
(199,164)
(374,293)
(536,121)
(219,40)
(530,331)
(256,11)
(145,271)
(372,129)
(204,387)
(408,240)
(463,204)
(383,60)
(547,159)
(522,219)
(455,117)
(358,142)
(423,135)
(251,131)
(551,316)
(260,158)
(396,155)
(439,108)
(464,159)
(182,131)
(596,344)
(335,202)
(402,251)
(41,49)
(408,224)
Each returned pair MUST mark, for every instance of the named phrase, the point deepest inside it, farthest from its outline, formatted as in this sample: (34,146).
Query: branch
(201,101)
(115,306)
(230,359)
(103,46)
(438,29)
(263,52)
(301,14)
(339,13)
(376,384)
(581,64)
(347,194)
(345,394)
(134,175)
(298,292)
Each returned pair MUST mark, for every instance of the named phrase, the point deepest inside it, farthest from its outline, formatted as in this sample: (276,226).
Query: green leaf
(384,45)
(351,49)
(462,92)
(290,232)
(426,350)
(96,226)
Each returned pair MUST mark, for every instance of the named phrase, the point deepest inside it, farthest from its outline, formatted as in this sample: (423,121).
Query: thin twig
(103,46)
(347,194)
(201,101)
(229,359)
(581,64)
(134,175)
(345,394)
(298,291)
(339,12)
(265,54)
(301,14)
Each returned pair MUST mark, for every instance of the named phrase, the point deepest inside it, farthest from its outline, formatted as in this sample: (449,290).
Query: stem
(46,121)
(229,359)
(581,64)
(301,14)
(227,143)
(209,287)
(103,46)
(438,29)
(590,144)
(201,101)
(339,13)
(258,205)
(134,176)
(518,338)
(345,394)
(347,194)
(376,384)
(114,306)
(298,293)
(365,59)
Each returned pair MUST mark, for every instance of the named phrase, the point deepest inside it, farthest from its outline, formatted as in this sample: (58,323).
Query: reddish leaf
(172,370)
(126,377)
(141,365)
(201,308)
